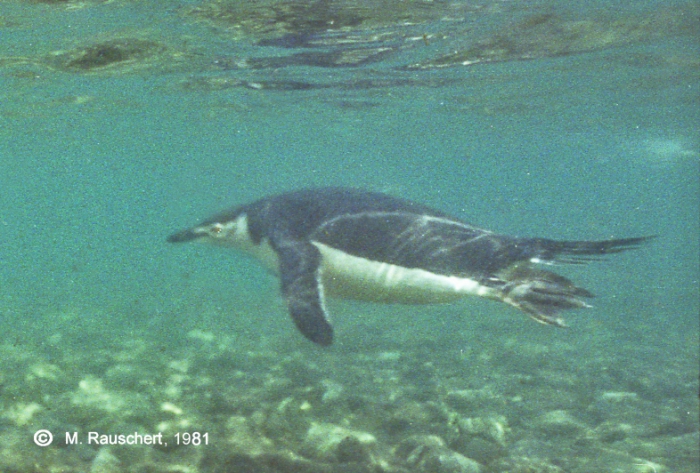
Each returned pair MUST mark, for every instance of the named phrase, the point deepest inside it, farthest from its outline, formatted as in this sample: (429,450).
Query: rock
(22,414)
(333,443)
(492,429)
(286,462)
(413,444)
(92,393)
(617,396)
(352,450)
(609,432)
(201,335)
(428,454)
(605,459)
(474,400)
(524,465)
(482,439)
(43,370)
(124,375)
(332,391)
(105,462)
(413,415)
(560,424)
(642,415)
(682,450)
(245,439)
(448,461)
(618,405)
(479,449)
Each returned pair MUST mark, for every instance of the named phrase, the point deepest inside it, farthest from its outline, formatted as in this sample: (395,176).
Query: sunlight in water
(668,151)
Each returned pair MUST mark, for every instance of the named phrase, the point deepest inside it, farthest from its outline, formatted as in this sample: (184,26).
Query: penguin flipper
(299,267)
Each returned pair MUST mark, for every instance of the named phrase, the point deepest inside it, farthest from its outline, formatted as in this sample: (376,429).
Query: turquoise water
(123,121)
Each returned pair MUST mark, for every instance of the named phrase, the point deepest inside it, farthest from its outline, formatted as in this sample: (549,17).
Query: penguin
(369,246)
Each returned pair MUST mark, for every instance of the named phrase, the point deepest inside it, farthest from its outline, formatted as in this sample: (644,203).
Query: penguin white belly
(354,277)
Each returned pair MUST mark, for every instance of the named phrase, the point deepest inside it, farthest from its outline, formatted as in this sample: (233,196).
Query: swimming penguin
(370,246)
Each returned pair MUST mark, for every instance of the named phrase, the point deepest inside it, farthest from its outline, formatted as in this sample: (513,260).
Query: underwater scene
(123,122)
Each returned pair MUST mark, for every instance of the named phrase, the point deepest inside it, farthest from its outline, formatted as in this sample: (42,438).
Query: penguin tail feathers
(581,252)
(544,294)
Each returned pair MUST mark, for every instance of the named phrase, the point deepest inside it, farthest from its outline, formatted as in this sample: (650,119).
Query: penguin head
(232,232)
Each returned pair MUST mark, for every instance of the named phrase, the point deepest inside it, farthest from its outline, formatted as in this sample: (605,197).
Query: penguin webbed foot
(542,294)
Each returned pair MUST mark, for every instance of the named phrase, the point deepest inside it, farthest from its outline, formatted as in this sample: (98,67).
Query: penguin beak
(185,236)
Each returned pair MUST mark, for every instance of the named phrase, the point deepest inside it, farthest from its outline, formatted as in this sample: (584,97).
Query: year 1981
(194,438)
